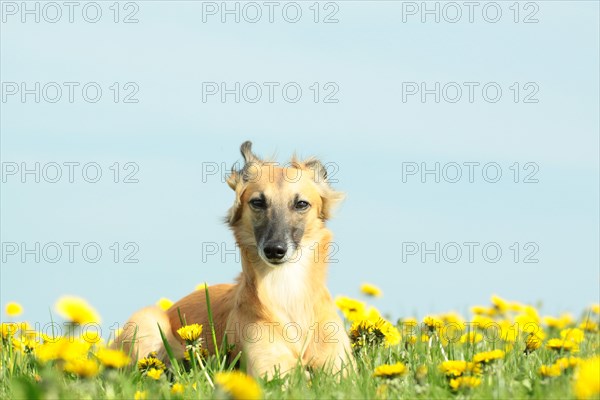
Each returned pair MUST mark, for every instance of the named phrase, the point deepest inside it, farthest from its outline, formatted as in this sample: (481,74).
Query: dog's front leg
(267,355)
(331,348)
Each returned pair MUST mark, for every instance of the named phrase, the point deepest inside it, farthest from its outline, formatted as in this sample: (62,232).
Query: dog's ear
(244,174)
(318,168)
(329,196)
(235,212)
(251,161)
(237,179)
(249,156)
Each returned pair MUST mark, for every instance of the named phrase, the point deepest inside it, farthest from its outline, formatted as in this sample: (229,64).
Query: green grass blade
(169,351)
(211,322)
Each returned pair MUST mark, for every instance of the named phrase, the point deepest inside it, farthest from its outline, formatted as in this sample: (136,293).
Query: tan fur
(278,316)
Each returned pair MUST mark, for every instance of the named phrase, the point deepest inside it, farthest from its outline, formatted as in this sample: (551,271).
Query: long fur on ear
(237,180)
(329,196)
(249,156)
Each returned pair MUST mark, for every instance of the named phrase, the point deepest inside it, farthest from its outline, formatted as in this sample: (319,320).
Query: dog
(279,313)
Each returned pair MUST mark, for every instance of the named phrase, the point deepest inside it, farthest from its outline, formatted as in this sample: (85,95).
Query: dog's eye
(301,205)
(258,204)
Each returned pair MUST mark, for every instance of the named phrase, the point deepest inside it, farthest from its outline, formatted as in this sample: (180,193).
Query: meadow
(501,350)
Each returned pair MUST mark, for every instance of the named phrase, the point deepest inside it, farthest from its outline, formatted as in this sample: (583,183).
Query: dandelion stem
(203,368)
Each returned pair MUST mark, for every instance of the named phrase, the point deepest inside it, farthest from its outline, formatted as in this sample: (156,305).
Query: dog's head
(279,210)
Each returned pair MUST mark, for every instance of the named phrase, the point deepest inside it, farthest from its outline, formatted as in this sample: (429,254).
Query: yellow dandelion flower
(363,333)
(150,362)
(190,333)
(587,379)
(367,332)
(201,286)
(238,385)
(455,368)
(464,382)
(24,329)
(409,328)
(500,305)
(177,388)
(562,345)
(508,331)
(567,363)
(559,323)
(48,352)
(164,303)
(482,310)
(76,310)
(62,349)
(9,329)
(527,322)
(471,337)
(32,335)
(112,358)
(25,344)
(550,371)
(453,318)
(452,328)
(482,321)
(532,312)
(82,367)
(390,371)
(13,309)
(140,395)
(370,290)
(516,306)
(73,349)
(352,309)
(154,373)
(595,308)
(574,334)
(487,357)
(589,326)
(534,339)
(432,322)
(391,333)
(50,338)
(373,314)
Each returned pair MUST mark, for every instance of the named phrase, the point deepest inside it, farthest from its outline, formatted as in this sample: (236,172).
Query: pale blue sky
(368,134)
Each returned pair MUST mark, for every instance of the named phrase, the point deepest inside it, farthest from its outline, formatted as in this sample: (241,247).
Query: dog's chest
(289,295)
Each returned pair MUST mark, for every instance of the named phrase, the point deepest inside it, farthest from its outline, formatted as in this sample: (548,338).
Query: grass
(30,370)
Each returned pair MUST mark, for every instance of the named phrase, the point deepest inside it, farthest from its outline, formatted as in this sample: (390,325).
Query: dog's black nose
(275,251)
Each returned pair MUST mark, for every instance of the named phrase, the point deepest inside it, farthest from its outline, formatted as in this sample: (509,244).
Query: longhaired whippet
(279,314)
